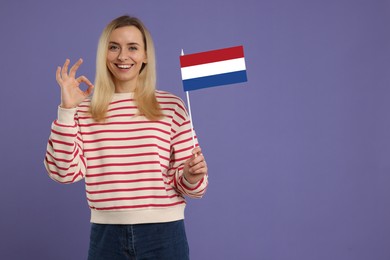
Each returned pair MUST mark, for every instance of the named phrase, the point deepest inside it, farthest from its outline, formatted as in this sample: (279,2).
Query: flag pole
(189,111)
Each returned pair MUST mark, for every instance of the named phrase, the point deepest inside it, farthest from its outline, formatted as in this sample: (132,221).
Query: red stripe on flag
(212,56)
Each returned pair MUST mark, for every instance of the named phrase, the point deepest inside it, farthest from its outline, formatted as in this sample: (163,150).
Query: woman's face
(125,56)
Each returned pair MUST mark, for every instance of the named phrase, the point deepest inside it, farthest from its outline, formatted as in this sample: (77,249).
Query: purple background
(298,155)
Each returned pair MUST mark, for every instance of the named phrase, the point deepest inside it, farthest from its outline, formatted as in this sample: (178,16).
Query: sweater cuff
(190,185)
(66,116)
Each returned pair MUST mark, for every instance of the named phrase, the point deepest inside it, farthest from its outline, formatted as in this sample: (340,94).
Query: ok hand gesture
(71,94)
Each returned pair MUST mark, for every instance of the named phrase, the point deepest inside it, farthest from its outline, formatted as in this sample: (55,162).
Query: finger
(58,76)
(89,90)
(200,171)
(199,168)
(196,151)
(64,71)
(85,80)
(196,160)
(88,83)
(196,163)
(75,67)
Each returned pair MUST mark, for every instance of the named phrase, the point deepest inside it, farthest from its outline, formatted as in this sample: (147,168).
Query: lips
(124,66)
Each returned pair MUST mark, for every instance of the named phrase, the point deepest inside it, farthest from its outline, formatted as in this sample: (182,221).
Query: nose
(123,55)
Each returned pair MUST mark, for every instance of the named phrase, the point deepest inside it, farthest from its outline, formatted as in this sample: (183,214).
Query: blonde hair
(144,94)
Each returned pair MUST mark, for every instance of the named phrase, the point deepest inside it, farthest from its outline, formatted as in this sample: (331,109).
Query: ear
(145,59)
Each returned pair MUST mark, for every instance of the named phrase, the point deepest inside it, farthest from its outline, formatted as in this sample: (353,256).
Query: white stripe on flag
(213,68)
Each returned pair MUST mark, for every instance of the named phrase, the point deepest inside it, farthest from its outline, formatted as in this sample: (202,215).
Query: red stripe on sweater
(61,125)
(188,148)
(71,181)
(126,156)
(181,133)
(179,101)
(62,175)
(63,160)
(176,123)
(121,155)
(189,139)
(63,134)
(113,116)
(182,117)
(127,139)
(61,142)
(122,173)
(174,103)
(125,190)
(125,147)
(116,115)
(121,108)
(123,164)
(63,151)
(83,161)
(125,131)
(166,95)
(124,181)
(58,167)
(124,123)
(181,159)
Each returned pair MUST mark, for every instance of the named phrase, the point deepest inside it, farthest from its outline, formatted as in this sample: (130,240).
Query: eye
(133,48)
(113,47)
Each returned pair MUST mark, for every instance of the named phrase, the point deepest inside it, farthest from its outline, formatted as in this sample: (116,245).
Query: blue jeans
(165,241)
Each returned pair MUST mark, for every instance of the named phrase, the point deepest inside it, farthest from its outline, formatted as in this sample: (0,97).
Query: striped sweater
(133,167)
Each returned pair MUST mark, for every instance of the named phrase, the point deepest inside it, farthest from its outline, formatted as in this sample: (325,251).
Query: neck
(121,87)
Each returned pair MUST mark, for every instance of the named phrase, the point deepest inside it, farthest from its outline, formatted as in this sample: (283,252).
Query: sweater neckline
(123,95)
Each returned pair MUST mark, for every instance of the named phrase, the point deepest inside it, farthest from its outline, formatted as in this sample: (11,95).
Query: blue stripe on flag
(214,80)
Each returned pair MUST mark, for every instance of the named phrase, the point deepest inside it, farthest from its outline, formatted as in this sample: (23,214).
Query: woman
(132,144)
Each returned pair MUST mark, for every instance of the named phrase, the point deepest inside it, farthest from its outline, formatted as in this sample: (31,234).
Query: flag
(213,68)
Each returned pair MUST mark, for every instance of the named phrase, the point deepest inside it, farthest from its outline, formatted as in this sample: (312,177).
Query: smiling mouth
(124,66)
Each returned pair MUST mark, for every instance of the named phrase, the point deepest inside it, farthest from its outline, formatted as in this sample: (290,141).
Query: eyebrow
(130,43)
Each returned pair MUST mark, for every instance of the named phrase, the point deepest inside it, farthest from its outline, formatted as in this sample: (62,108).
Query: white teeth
(124,66)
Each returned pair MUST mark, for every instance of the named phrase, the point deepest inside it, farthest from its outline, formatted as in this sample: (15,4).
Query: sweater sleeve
(181,147)
(64,160)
